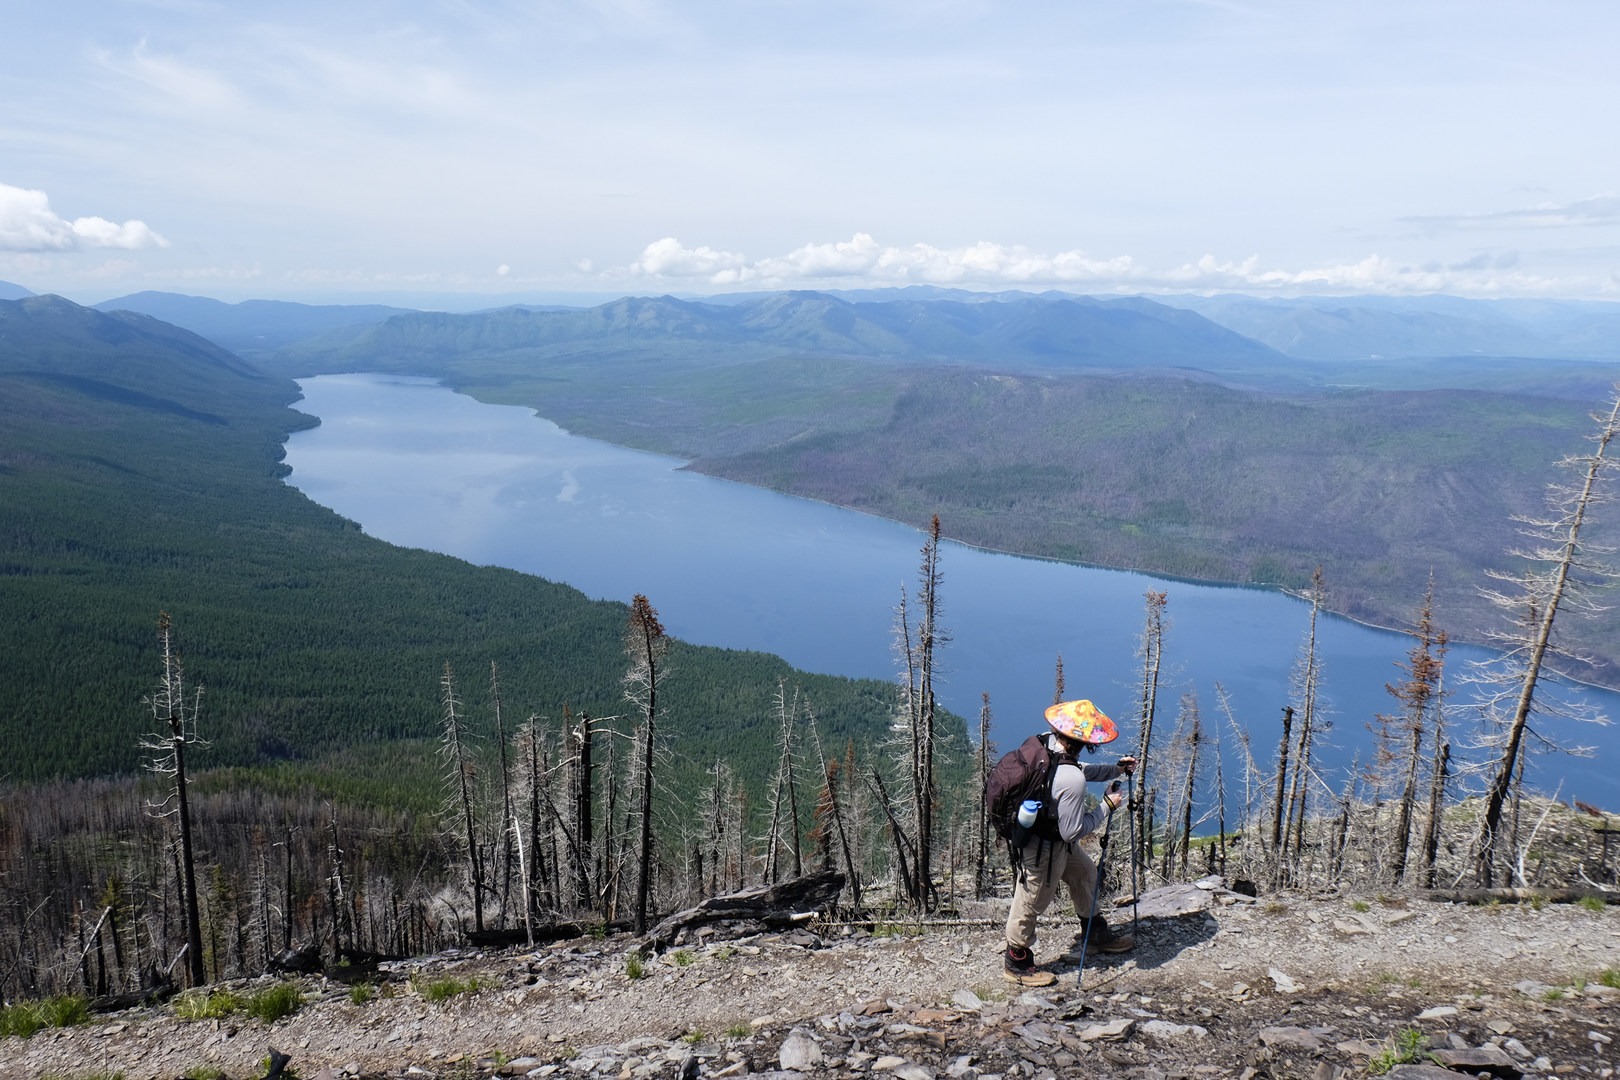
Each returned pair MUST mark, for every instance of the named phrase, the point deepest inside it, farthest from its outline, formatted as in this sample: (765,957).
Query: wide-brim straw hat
(1081,720)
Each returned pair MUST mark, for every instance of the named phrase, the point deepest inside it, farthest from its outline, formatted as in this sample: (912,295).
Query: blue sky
(323,150)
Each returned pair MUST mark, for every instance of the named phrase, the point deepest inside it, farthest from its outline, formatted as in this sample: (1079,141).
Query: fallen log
(764,907)
(1513,896)
(559,931)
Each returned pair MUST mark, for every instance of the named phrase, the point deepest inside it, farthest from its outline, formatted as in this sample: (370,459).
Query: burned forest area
(317,807)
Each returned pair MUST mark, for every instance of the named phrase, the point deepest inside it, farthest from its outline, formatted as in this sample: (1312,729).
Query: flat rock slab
(1174,901)
(1113,1029)
(1491,1059)
(1165,1029)
(1302,1038)
(1421,1072)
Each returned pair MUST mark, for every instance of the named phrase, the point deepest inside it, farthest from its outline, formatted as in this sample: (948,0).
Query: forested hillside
(429,748)
(139,474)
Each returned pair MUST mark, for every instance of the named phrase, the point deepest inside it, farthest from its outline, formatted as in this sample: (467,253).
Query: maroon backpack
(1024,773)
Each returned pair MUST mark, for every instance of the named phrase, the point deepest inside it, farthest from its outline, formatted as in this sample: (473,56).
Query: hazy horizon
(646,147)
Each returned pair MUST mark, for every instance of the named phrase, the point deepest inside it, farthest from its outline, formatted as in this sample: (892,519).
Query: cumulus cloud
(670,258)
(27,223)
(863,257)
(863,260)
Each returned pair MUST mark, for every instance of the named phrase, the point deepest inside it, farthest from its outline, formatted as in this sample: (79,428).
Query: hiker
(1053,854)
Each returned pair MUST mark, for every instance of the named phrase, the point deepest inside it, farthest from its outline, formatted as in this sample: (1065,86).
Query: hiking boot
(1104,939)
(1018,966)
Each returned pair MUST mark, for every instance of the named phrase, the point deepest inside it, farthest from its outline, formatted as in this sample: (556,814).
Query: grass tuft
(438,990)
(207,1005)
(1406,1048)
(274,1002)
(27,1017)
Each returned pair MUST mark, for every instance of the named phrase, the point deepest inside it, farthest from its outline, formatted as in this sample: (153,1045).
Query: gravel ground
(1276,987)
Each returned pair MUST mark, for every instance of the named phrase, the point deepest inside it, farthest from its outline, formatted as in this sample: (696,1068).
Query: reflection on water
(736,566)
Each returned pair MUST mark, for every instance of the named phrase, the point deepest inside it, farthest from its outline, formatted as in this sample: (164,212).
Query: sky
(372,150)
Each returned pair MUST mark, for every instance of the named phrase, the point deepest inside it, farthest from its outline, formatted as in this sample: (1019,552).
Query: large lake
(727,564)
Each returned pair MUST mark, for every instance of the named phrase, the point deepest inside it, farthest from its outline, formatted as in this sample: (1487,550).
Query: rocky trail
(1219,985)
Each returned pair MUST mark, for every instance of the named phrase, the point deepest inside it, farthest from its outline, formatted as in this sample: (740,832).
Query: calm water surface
(727,564)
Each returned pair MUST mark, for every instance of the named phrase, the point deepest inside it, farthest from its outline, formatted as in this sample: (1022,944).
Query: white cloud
(862,260)
(130,236)
(669,258)
(27,223)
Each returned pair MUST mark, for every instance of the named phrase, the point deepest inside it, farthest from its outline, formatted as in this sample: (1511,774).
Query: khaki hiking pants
(1046,865)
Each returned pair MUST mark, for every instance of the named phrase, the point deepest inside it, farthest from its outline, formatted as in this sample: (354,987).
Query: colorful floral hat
(1081,720)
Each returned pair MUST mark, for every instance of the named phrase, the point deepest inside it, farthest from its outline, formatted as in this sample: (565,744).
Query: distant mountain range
(1369,327)
(1027,334)
(1048,330)
(252,326)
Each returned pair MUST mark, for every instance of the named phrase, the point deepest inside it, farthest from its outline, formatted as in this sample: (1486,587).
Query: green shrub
(286,1071)
(362,992)
(684,958)
(1610,977)
(1406,1048)
(207,1005)
(1593,903)
(206,1072)
(633,966)
(274,1002)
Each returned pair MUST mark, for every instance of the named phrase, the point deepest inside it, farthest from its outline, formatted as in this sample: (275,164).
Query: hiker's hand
(1127,765)
(1114,798)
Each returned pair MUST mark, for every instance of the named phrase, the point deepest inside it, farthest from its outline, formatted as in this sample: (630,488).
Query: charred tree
(1308,675)
(508,820)
(460,771)
(646,644)
(1419,697)
(983,763)
(1563,565)
(176,719)
(1151,650)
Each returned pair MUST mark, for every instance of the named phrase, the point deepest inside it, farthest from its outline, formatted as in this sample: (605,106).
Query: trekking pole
(1096,890)
(1136,888)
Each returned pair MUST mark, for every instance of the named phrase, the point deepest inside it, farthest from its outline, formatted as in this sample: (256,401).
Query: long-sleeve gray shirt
(1069,792)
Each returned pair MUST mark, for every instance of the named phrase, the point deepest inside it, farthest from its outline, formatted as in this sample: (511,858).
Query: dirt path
(1274,986)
